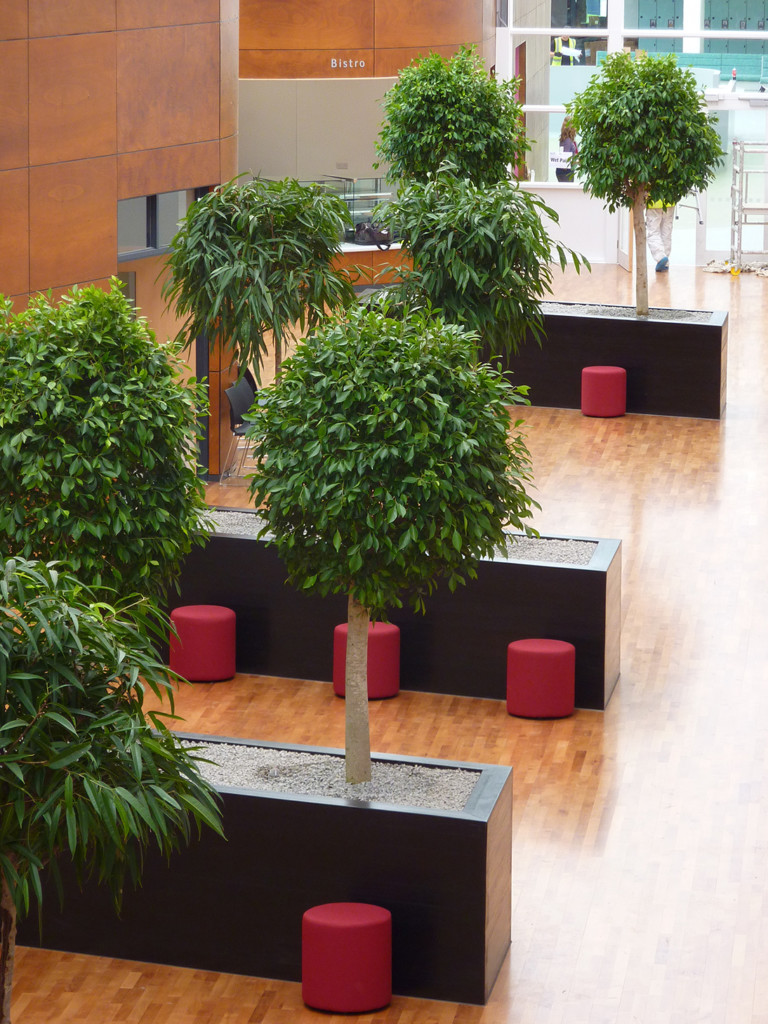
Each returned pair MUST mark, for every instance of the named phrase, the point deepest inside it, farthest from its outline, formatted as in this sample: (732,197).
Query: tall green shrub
(451,110)
(85,777)
(255,257)
(386,461)
(481,254)
(644,136)
(97,442)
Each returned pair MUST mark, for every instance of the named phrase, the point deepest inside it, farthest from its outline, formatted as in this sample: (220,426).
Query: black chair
(241,397)
(248,375)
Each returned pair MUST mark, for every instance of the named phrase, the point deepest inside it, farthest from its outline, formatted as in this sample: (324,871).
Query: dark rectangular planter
(674,367)
(235,905)
(459,646)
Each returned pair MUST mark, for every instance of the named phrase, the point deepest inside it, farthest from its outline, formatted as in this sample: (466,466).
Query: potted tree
(386,460)
(476,244)
(87,781)
(644,136)
(451,110)
(97,443)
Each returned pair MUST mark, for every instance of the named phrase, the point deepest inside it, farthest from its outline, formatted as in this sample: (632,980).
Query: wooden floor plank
(639,866)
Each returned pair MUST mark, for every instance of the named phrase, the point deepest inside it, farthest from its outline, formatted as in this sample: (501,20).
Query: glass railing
(362,196)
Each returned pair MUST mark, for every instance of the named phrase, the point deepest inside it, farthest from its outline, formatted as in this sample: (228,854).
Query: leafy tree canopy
(387,459)
(83,775)
(482,254)
(451,110)
(254,257)
(97,442)
(644,134)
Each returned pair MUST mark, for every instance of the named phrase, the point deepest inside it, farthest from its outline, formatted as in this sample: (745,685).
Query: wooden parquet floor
(640,848)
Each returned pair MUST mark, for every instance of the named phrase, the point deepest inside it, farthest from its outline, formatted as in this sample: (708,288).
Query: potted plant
(450,110)
(386,461)
(480,253)
(88,782)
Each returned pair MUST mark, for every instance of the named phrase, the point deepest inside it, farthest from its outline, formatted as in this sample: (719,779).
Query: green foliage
(643,132)
(387,459)
(257,257)
(97,442)
(450,110)
(83,775)
(480,254)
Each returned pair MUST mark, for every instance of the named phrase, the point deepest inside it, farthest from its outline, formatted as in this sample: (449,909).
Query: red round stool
(383,660)
(204,649)
(604,391)
(346,957)
(541,678)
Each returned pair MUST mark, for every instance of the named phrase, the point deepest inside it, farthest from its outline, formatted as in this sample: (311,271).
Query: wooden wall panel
(164,322)
(306,63)
(167,170)
(70,17)
(431,23)
(229,85)
(228,159)
(297,25)
(390,62)
(170,76)
(14,216)
(13,104)
(290,39)
(144,14)
(72,222)
(71,97)
(14,22)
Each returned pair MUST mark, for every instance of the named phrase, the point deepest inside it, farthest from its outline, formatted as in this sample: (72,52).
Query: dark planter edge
(605,550)
(717,317)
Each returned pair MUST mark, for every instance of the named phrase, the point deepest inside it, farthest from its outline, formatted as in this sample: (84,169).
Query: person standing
(567,145)
(560,59)
(659,219)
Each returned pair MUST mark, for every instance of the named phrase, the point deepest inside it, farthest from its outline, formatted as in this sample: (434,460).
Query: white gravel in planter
(700,316)
(311,774)
(562,551)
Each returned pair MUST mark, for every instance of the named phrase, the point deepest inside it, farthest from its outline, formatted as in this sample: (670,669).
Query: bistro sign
(339,62)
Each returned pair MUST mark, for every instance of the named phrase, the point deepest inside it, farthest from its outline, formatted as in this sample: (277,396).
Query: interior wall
(584,224)
(309,129)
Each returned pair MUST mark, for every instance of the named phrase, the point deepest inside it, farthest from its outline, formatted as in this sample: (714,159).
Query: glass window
(146,225)
(554,49)
(132,225)
(171,209)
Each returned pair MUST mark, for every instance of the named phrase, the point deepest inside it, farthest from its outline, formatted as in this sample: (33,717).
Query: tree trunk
(358,738)
(641,254)
(7,949)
